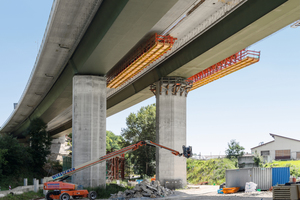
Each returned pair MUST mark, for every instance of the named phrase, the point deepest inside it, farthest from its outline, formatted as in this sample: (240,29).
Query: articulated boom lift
(64,191)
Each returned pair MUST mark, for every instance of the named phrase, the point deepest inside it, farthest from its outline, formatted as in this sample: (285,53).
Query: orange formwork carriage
(145,55)
(227,66)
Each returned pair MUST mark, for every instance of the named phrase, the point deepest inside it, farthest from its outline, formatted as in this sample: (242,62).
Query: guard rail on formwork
(227,66)
(156,46)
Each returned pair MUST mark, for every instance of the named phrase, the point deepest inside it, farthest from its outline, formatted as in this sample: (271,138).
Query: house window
(265,153)
(282,154)
(298,155)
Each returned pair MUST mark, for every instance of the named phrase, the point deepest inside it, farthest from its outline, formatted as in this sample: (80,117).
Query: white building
(281,148)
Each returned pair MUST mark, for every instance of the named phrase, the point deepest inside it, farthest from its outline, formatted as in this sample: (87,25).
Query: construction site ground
(209,192)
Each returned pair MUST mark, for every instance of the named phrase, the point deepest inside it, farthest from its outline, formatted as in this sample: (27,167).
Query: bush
(13,156)
(110,189)
(294,166)
(40,143)
(18,161)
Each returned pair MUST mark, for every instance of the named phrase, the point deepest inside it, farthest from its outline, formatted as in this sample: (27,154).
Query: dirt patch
(209,192)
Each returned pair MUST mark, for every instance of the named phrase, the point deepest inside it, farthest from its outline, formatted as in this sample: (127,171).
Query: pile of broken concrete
(144,189)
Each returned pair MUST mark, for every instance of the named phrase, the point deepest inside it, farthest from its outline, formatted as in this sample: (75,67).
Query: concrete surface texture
(59,149)
(89,128)
(170,132)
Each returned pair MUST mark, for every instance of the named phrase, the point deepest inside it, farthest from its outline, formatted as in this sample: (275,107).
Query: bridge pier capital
(172,85)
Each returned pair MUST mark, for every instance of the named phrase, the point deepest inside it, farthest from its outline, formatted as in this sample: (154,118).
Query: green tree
(40,143)
(69,139)
(14,156)
(69,142)
(141,126)
(258,160)
(3,161)
(113,141)
(234,149)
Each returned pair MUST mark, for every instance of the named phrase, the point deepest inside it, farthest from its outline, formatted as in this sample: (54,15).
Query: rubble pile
(144,189)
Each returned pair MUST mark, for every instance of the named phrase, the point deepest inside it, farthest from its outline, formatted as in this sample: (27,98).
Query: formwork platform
(156,46)
(227,66)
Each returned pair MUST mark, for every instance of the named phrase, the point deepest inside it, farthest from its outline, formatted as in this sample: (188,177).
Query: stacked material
(144,189)
(250,187)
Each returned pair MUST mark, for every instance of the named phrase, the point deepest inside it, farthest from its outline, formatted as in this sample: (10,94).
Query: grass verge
(208,171)
(293,164)
(24,196)
(103,193)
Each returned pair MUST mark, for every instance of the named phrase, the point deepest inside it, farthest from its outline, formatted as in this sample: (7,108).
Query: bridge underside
(250,23)
(113,33)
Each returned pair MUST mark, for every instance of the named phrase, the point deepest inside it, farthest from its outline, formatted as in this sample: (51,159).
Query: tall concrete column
(171,95)
(89,128)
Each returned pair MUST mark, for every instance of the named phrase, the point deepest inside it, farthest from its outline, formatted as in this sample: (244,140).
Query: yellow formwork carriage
(152,51)
(238,64)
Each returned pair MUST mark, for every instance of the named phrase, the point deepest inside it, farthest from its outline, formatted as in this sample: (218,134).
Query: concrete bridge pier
(171,93)
(89,128)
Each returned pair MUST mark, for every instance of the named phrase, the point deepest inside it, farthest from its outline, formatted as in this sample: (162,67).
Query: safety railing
(227,62)
(153,49)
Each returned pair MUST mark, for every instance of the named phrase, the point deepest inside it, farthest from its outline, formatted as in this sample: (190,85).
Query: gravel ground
(209,192)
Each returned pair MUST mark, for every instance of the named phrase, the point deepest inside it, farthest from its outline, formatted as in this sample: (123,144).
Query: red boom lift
(64,191)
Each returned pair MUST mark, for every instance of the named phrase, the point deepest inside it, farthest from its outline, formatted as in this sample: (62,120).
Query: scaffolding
(116,168)
(227,66)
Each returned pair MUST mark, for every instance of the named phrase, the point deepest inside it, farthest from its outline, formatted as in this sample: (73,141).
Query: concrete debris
(144,189)
(132,183)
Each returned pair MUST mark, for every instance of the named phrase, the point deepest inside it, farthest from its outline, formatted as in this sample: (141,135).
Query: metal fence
(280,175)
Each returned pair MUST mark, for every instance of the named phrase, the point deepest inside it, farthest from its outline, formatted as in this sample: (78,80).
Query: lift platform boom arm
(187,152)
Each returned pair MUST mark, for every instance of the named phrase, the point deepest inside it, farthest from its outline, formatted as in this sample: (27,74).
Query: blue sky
(246,105)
